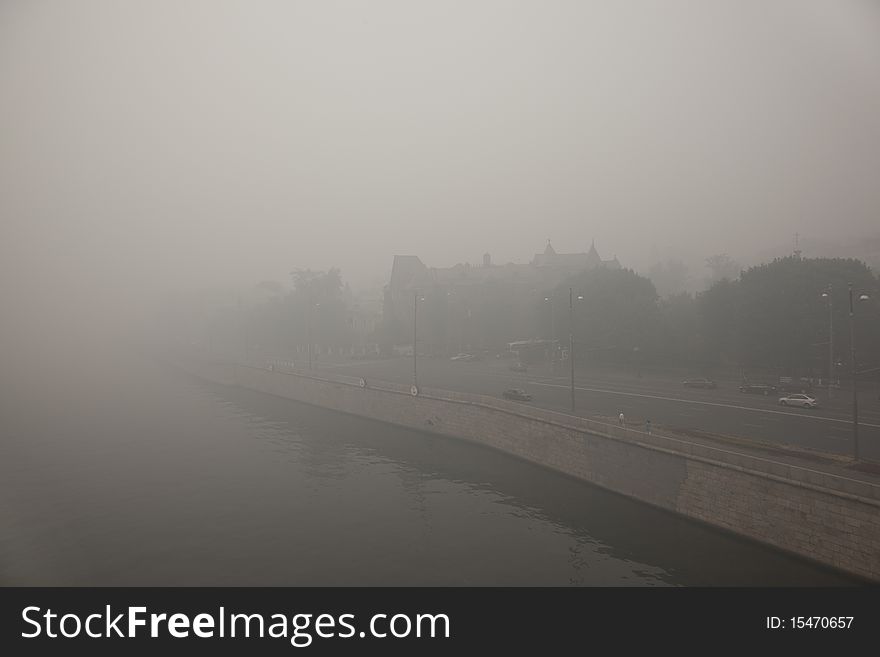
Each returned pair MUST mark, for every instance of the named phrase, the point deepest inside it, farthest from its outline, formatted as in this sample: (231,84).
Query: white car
(804,401)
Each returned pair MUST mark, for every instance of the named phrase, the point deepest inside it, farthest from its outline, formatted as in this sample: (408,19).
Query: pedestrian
(621,420)
(648,426)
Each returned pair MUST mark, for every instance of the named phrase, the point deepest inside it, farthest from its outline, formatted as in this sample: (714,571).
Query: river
(123,471)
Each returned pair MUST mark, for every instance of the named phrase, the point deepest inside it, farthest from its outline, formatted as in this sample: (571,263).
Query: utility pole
(830,342)
(571,342)
(852,349)
(415,336)
(309,333)
(309,313)
(549,299)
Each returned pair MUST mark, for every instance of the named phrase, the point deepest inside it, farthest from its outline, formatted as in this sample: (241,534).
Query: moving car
(758,388)
(804,401)
(701,382)
(517,394)
(519,367)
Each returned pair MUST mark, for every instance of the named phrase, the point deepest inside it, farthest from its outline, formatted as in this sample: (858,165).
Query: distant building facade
(467,307)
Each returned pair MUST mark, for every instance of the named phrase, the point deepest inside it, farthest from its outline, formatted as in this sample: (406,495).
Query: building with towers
(466,304)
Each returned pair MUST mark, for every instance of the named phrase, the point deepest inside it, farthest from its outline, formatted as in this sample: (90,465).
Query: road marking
(706,403)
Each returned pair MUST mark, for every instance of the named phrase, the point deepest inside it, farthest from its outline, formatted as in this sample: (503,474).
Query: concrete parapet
(821,515)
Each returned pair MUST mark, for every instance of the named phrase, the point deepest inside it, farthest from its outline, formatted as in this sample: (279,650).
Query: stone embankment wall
(828,518)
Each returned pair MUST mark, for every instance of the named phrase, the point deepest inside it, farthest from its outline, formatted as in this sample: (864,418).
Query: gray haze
(154,153)
(160,145)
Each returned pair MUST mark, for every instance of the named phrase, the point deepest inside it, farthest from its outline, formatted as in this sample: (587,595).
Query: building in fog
(571,263)
(467,307)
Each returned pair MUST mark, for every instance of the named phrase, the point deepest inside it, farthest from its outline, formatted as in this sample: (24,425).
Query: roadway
(722,412)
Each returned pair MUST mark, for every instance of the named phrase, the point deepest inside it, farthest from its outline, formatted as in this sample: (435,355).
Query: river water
(124,471)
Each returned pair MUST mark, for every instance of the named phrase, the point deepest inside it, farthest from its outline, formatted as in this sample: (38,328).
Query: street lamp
(416,300)
(312,304)
(549,300)
(827,295)
(580,297)
(852,348)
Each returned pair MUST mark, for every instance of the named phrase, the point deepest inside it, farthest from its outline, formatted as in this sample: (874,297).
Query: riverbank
(808,510)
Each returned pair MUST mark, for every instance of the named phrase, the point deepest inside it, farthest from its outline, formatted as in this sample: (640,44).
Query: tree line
(787,317)
(768,319)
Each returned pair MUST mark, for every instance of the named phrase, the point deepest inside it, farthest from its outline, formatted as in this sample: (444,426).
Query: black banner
(430,620)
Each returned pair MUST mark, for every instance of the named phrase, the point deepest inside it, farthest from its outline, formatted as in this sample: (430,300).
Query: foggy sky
(154,145)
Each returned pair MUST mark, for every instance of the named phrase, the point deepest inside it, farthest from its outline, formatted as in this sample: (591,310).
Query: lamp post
(852,349)
(309,335)
(827,295)
(549,300)
(312,305)
(571,339)
(415,337)
(416,300)
(571,342)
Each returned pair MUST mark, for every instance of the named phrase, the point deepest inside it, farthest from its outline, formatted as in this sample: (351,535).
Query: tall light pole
(416,300)
(309,334)
(827,295)
(552,329)
(415,336)
(312,306)
(571,339)
(852,351)
(571,342)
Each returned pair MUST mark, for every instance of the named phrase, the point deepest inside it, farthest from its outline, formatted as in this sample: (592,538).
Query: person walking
(648,427)
(621,420)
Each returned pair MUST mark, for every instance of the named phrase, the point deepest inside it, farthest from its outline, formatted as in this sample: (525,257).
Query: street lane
(662,400)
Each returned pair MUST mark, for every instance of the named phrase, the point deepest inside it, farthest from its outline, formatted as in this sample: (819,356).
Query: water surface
(128,472)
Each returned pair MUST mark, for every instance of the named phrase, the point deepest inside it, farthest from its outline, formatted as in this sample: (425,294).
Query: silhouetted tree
(618,313)
(774,316)
(670,277)
(722,267)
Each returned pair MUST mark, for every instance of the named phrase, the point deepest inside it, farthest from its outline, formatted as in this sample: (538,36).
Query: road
(662,399)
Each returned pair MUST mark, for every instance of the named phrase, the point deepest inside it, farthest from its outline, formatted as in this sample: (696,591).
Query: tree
(316,308)
(670,277)
(681,339)
(722,267)
(720,316)
(618,313)
(774,317)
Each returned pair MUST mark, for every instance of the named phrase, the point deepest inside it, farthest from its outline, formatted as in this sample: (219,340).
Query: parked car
(699,383)
(804,401)
(758,388)
(795,386)
(516,394)
(465,357)
(519,367)
(802,385)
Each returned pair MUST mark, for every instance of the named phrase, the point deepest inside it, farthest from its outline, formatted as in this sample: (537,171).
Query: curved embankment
(829,518)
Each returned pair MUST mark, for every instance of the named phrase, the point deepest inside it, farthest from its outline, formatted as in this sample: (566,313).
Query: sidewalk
(864,471)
